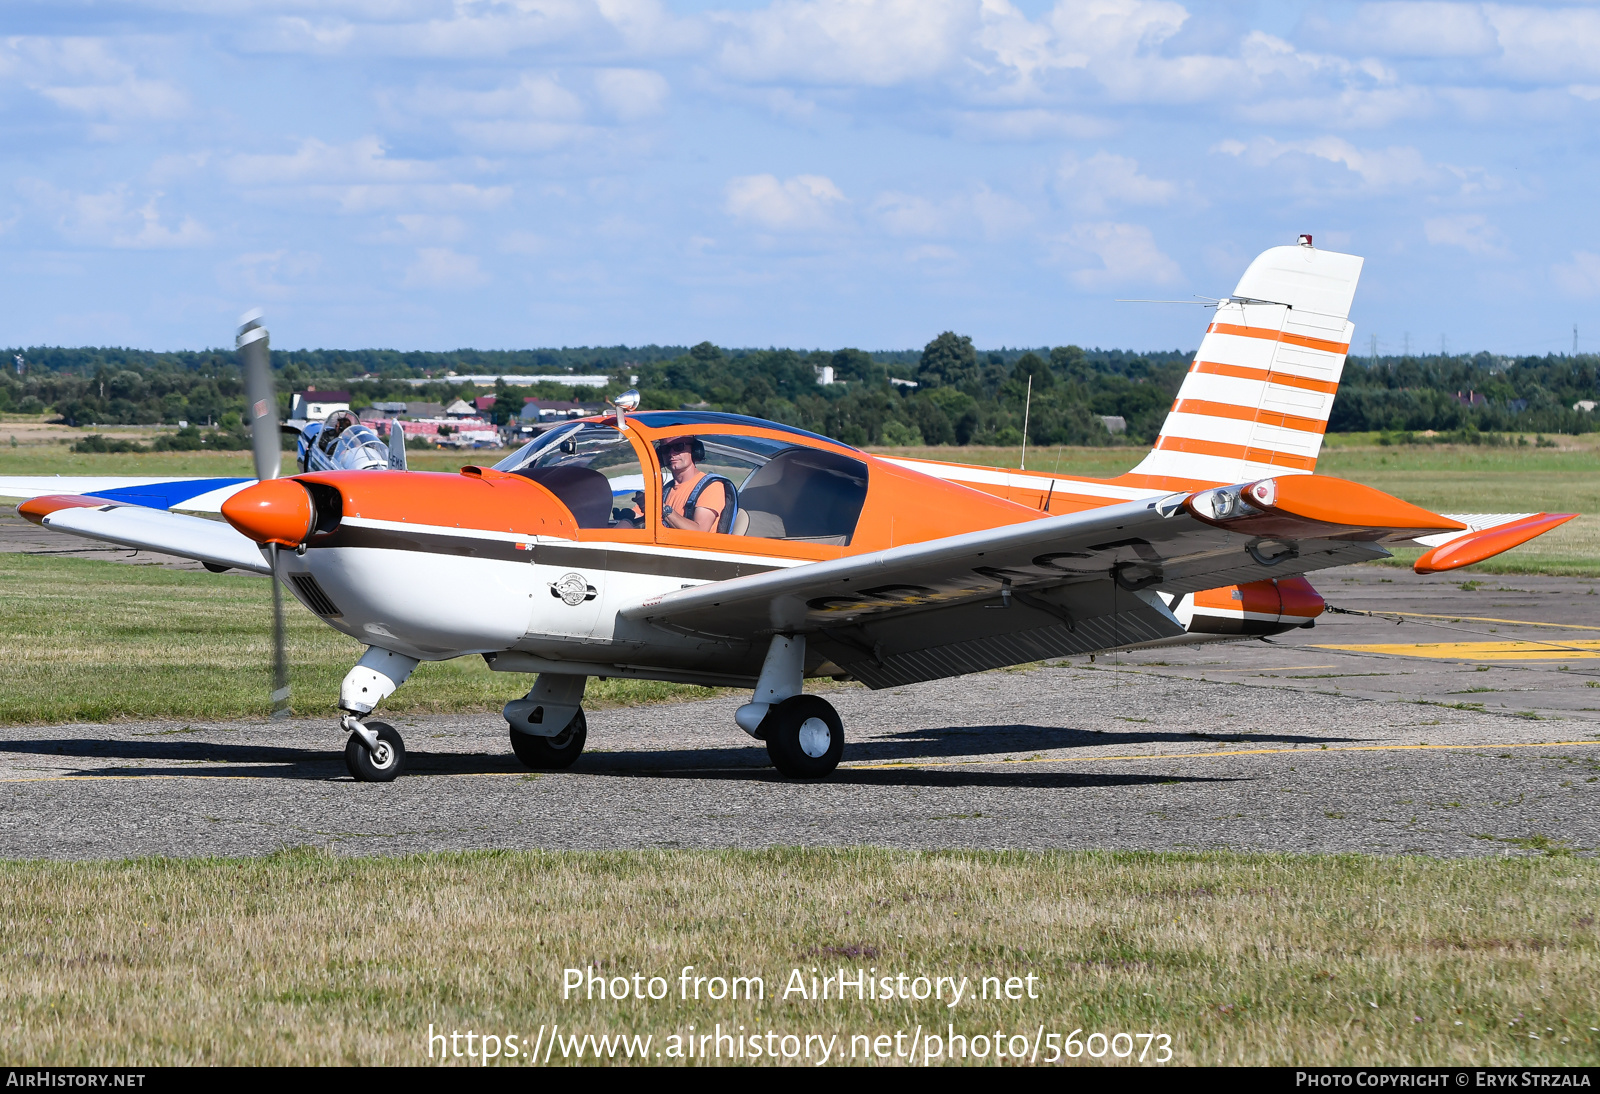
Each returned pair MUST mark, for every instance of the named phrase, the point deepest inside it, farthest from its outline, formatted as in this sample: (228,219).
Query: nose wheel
(805,739)
(552,753)
(374,753)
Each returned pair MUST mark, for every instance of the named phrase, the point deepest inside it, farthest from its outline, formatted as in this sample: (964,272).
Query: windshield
(526,455)
(359,449)
(593,469)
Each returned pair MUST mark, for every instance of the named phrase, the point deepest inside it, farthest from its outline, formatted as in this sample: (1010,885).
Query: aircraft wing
(190,495)
(1048,587)
(212,542)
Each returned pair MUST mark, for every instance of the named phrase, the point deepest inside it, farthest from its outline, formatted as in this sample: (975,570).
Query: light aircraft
(724,550)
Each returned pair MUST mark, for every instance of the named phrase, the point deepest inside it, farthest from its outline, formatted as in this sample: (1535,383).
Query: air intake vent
(312,594)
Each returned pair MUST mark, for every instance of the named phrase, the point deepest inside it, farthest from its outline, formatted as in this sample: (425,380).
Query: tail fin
(397,445)
(1257,398)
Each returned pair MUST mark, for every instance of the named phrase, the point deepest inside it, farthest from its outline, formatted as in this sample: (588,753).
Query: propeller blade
(261,396)
(280,659)
(397,445)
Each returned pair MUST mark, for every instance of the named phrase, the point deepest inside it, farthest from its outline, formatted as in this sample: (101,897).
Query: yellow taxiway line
(133,777)
(1579,649)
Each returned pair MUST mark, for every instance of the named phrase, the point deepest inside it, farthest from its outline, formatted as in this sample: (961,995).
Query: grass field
(304,957)
(84,640)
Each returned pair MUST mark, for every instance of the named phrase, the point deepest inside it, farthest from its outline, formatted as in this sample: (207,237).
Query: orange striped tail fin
(1257,398)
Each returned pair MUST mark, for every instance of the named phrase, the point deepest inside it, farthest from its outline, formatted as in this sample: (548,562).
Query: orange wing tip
(1297,506)
(36,509)
(275,511)
(1477,546)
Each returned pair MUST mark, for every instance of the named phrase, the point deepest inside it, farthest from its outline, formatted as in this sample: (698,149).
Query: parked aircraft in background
(725,550)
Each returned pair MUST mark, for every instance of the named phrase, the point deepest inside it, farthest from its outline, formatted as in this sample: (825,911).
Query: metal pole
(1026,408)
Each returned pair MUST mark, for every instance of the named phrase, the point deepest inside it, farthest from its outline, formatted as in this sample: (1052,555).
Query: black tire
(804,736)
(552,753)
(387,766)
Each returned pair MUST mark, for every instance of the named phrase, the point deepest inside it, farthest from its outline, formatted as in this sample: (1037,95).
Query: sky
(439,174)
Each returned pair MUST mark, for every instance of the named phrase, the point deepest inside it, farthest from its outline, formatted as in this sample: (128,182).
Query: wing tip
(36,509)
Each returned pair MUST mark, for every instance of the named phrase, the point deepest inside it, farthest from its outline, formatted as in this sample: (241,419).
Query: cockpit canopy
(775,487)
(342,443)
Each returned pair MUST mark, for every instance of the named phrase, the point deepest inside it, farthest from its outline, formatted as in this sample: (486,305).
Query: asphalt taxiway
(1465,721)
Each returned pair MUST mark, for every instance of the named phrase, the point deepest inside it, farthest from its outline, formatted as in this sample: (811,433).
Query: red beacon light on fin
(1305,239)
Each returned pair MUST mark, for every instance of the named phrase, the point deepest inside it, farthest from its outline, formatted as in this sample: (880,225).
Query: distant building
(1585,405)
(460,409)
(1472,398)
(1114,423)
(902,383)
(512,380)
(313,405)
(424,410)
(548,412)
(825,375)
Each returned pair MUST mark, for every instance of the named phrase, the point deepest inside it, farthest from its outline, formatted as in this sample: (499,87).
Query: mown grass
(304,957)
(84,640)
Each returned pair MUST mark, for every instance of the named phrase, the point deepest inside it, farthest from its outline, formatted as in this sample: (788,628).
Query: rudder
(1256,399)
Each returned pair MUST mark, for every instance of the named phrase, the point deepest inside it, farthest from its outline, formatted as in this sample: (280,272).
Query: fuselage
(530,562)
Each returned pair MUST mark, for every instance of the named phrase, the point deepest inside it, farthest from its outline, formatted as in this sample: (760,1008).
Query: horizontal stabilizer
(1485,541)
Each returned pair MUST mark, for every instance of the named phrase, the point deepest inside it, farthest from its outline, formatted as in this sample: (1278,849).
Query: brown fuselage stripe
(687,567)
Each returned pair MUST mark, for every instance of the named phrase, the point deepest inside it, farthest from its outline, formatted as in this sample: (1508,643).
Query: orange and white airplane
(724,550)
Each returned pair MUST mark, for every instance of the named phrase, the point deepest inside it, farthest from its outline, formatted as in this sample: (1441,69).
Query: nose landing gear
(375,752)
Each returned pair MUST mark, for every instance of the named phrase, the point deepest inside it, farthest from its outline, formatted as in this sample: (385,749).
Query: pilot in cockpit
(694,502)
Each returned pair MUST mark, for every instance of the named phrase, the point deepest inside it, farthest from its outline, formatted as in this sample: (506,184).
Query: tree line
(948,393)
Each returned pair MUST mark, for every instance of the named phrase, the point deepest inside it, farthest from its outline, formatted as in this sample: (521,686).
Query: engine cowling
(1257,608)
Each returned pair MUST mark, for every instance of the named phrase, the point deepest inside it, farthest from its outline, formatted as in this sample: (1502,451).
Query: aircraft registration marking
(1579,649)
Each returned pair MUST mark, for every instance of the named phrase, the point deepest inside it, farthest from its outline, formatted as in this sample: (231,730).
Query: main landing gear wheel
(380,766)
(552,753)
(804,736)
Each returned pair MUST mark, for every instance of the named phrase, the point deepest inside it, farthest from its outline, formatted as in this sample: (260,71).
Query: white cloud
(631,94)
(1127,254)
(109,219)
(1105,179)
(362,160)
(797,204)
(914,215)
(442,268)
(1026,126)
(870,43)
(1547,44)
(1394,167)
(481,28)
(1472,232)
(1416,29)
(358,177)
(1581,276)
(88,77)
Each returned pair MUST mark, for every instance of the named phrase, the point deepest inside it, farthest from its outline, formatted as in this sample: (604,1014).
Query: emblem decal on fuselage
(572,589)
